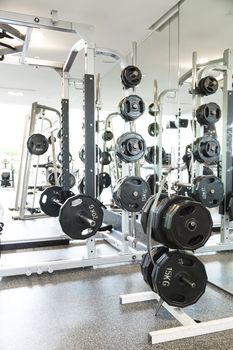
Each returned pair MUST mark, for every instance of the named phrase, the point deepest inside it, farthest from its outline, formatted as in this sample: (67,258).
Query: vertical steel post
(227,133)
(90,131)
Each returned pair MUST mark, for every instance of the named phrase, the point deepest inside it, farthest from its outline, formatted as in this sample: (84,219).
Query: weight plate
(50,140)
(179,278)
(208,114)
(104,180)
(131,76)
(151,179)
(187,225)
(208,190)
(131,193)
(158,232)
(207,171)
(206,149)
(59,158)
(48,200)
(146,212)
(182,189)
(72,180)
(105,158)
(207,86)
(59,134)
(81,216)
(150,155)
(130,147)
(183,123)
(107,135)
(153,129)
(171,124)
(131,107)
(37,144)
(147,264)
(82,153)
(51,178)
(151,109)
(81,185)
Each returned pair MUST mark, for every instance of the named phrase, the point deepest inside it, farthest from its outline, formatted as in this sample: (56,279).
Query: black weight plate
(107,135)
(104,180)
(37,144)
(179,278)
(150,154)
(131,107)
(207,86)
(206,149)
(59,158)
(50,139)
(147,264)
(47,198)
(81,185)
(150,179)
(51,178)
(131,193)
(145,213)
(151,109)
(207,171)
(171,124)
(187,225)
(208,114)
(59,134)
(105,158)
(73,213)
(208,190)
(131,76)
(158,232)
(72,180)
(182,189)
(183,123)
(130,147)
(82,153)
(153,129)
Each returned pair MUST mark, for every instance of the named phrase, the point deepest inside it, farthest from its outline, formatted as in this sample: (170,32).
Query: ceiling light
(15,93)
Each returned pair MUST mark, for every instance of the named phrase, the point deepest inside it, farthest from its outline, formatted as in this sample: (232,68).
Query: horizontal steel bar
(36,22)
(50,266)
(192,330)
(33,62)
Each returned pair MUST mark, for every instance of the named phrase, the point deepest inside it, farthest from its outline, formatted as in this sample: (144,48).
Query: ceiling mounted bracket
(54,14)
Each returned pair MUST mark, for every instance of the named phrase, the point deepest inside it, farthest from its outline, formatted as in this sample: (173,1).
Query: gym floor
(80,310)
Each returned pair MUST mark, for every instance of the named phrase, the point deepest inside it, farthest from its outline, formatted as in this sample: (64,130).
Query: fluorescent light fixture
(162,22)
(15,93)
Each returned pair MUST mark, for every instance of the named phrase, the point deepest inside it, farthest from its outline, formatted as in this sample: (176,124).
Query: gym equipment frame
(86,43)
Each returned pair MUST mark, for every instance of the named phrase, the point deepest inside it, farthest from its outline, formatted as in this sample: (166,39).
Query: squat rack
(86,43)
(189,327)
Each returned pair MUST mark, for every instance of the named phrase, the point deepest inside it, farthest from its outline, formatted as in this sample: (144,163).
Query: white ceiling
(205,26)
(117,24)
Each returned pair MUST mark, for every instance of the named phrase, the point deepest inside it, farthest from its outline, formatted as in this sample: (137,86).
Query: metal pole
(23,151)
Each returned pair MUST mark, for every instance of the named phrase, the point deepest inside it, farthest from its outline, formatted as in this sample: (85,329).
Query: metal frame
(189,327)
(86,43)
(25,161)
(224,65)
